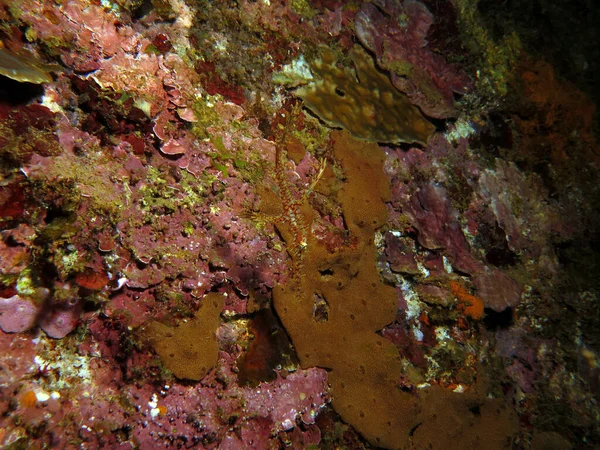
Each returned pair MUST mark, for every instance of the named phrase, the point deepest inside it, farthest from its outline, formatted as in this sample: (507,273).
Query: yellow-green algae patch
(365,102)
(189,350)
(24,68)
(498,59)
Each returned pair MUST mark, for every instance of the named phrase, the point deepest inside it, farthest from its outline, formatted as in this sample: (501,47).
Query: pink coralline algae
(397,34)
(501,184)
(496,289)
(59,320)
(15,247)
(438,226)
(91,30)
(17,314)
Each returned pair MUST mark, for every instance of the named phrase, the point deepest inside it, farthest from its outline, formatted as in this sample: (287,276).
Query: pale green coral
(295,73)
(156,194)
(462,129)
(69,262)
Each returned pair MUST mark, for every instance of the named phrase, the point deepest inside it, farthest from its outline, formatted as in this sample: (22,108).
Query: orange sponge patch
(29,399)
(468,304)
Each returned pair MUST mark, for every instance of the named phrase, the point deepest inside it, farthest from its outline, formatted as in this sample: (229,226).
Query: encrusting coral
(365,102)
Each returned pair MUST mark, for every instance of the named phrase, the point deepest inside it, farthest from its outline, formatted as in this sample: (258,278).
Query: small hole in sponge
(326,272)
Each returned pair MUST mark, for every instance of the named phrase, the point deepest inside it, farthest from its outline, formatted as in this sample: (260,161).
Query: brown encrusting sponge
(190,350)
(364,367)
(365,102)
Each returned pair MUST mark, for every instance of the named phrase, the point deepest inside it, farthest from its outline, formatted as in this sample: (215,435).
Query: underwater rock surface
(295,224)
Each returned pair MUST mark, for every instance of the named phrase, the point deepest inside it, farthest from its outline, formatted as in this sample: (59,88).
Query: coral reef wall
(294,224)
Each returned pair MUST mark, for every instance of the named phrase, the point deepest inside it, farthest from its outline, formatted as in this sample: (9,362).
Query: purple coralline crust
(499,188)
(15,257)
(400,335)
(191,416)
(177,232)
(401,254)
(423,75)
(299,396)
(437,223)
(429,209)
(17,314)
(59,320)
(519,353)
(16,358)
(497,290)
(200,415)
(92,30)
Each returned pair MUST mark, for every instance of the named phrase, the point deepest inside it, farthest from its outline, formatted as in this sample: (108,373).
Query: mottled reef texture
(294,224)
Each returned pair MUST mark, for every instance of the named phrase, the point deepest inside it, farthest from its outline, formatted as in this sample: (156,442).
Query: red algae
(12,203)
(90,279)
(214,84)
